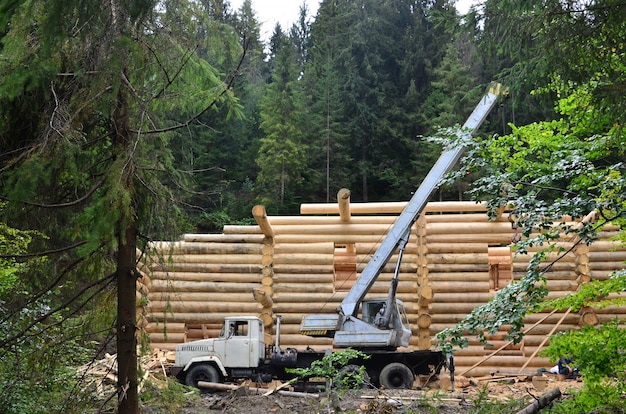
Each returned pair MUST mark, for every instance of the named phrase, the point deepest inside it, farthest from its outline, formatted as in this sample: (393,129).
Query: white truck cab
(241,345)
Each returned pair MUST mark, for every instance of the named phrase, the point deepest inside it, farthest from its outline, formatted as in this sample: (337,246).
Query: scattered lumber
(102,374)
(263,391)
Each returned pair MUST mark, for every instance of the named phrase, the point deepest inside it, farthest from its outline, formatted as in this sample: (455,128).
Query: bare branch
(15,338)
(43,253)
(69,203)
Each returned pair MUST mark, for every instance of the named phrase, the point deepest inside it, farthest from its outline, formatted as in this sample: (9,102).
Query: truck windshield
(403,316)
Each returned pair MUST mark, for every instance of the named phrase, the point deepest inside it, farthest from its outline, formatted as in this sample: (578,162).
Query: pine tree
(100,90)
(281,157)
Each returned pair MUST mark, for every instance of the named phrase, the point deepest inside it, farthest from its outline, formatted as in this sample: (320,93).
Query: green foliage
(599,353)
(38,375)
(330,368)
(214,221)
(13,243)
(168,397)
(596,294)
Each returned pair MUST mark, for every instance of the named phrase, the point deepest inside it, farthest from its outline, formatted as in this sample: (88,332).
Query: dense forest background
(129,121)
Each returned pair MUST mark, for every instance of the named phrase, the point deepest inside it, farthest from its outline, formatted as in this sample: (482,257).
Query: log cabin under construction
(456,259)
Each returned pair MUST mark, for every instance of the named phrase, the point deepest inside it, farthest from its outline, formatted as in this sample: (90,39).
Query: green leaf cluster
(330,368)
(599,353)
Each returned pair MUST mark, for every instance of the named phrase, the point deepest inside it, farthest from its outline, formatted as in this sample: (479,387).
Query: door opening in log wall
(345,266)
(500,266)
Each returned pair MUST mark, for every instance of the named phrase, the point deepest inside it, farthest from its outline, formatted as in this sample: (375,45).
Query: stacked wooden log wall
(296,265)
(194,283)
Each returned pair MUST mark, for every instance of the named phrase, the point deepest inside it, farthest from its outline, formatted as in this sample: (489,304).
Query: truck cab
(237,352)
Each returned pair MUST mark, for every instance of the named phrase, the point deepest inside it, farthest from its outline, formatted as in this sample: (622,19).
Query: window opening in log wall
(345,266)
(500,266)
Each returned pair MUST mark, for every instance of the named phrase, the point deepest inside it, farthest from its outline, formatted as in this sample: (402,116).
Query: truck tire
(347,374)
(396,376)
(202,372)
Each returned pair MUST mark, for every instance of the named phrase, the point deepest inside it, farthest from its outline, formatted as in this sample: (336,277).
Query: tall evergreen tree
(281,157)
(90,169)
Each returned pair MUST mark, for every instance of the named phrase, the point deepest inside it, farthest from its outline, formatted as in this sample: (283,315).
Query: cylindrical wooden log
(458,287)
(226,287)
(304,269)
(260,215)
(181,247)
(217,258)
(303,278)
(393,207)
(434,268)
(238,229)
(343,201)
(562,285)
(405,267)
(254,237)
(208,277)
(201,307)
(471,228)
(330,229)
(550,318)
(543,401)
(254,268)
(588,317)
(177,337)
(488,238)
(426,293)
(500,361)
(452,295)
(216,297)
(286,296)
(302,287)
(465,258)
(424,320)
(195,334)
(317,220)
(339,238)
(267,260)
(474,277)
(606,266)
(444,248)
(168,327)
(607,256)
(605,246)
(304,259)
(311,248)
(369,249)
(463,218)
(263,298)
(197,317)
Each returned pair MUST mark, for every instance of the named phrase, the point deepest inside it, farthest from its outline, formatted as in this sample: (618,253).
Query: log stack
(456,259)
(197,281)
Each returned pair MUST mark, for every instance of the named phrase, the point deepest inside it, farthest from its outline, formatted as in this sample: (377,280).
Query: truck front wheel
(396,376)
(203,372)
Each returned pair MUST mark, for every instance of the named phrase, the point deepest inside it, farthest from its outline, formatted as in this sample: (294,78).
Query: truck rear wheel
(350,377)
(396,376)
(203,372)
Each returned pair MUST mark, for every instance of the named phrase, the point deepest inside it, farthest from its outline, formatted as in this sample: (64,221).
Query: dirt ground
(469,392)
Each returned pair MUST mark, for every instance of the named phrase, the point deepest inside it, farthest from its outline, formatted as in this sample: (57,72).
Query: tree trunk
(128,402)
(126,320)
